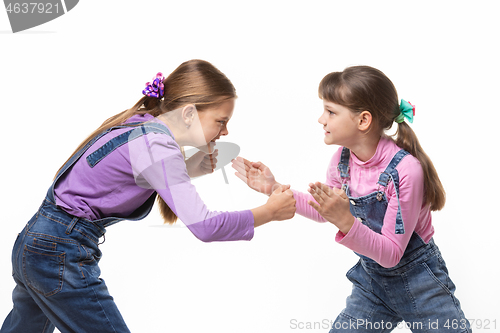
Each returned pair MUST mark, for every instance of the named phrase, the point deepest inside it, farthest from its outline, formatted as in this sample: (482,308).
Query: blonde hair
(195,82)
(364,88)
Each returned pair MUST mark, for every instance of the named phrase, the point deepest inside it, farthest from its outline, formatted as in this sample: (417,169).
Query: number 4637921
(485,324)
(33,7)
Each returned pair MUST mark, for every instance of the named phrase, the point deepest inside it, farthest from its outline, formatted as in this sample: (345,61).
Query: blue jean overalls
(417,290)
(55,260)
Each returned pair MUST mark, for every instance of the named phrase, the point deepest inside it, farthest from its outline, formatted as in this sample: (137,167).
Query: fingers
(243,161)
(319,194)
(242,177)
(259,165)
(327,190)
(210,147)
(212,164)
(206,168)
(215,153)
(242,165)
(322,192)
(250,175)
(239,166)
(319,199)
(277,190)
(197,157)
(340,192)
(283,188)
(320,187)
(209,162)
(314,205)
(248,168)
(248,164)
(325,197)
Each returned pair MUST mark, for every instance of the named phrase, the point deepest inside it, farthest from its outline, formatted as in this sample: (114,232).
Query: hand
(256,175)
(281,203)
(201,163)
(332,204)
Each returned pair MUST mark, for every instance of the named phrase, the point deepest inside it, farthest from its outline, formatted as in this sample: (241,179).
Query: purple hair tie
(155,88)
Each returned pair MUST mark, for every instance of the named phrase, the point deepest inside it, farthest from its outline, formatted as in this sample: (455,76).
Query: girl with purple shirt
(379,192)
(117,173)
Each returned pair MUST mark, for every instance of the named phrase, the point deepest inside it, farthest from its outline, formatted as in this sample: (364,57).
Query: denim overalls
(55,260)
(417,290)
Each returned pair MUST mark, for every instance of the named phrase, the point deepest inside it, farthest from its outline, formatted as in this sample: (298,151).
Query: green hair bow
(407,110)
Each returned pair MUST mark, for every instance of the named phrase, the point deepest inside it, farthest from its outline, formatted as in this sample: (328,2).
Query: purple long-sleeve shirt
(127,177)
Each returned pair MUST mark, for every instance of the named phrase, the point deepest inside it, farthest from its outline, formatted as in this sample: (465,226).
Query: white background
(60,80)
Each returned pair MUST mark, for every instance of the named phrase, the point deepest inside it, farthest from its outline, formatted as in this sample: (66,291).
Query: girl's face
(339,123)
(214,121)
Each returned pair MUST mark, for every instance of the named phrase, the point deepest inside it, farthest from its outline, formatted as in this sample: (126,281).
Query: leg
(432,305)
(26,316)
(76,300)
(60,281)
(364,311)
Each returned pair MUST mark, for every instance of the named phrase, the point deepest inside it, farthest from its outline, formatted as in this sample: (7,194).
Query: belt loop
(103,239)
(71,225)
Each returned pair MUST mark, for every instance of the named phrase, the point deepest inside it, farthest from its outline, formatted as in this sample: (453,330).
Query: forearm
(346,225)
(304,209)
(226,226)
(261,215)
(361,239)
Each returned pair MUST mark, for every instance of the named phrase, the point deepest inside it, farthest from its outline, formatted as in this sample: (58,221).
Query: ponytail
(435,194)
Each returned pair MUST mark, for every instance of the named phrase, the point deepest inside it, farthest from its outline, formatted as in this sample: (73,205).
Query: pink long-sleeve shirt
(122,181)
(388,247)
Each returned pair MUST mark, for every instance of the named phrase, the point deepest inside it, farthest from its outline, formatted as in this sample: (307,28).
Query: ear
(188,114)
(365,120)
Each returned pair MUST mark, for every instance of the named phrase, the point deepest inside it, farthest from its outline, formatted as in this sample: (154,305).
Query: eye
(330,112)
(222,122)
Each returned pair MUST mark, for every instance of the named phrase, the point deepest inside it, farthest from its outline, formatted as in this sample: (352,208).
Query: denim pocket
(90,255)
(359,277)
(436,268)
(351,271)
(360,305)
(43,269)
(13,257)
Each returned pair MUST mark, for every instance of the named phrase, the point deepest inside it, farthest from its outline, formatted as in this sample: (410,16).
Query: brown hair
(364,88)
(195,82)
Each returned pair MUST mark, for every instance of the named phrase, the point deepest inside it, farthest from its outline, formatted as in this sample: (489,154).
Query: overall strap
(146,128)
(390,173)
(343,166)
(124,138)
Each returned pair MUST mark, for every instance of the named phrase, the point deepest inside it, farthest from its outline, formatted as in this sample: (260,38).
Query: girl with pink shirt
(379,192)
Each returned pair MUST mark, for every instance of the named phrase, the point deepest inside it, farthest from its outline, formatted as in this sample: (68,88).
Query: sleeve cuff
(251,226)
(341,237)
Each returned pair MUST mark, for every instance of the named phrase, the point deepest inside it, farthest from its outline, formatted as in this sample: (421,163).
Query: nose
(224,131)
(321,120)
